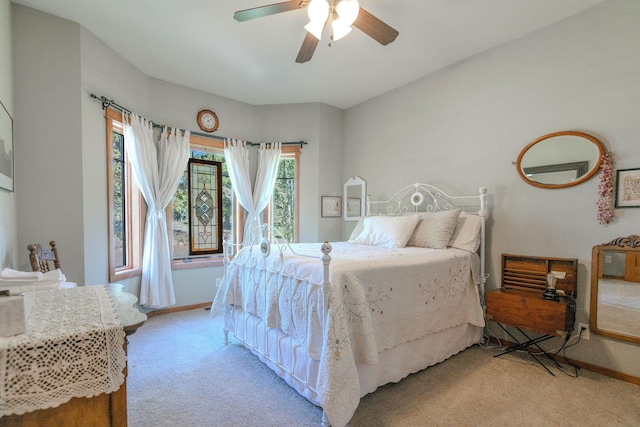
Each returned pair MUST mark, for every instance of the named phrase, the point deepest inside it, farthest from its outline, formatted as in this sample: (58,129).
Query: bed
(338,320)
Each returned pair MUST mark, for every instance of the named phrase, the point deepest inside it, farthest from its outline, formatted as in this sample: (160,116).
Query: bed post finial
(326,284)
(483,200)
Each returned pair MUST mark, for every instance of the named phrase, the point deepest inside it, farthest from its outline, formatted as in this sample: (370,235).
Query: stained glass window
(205,207)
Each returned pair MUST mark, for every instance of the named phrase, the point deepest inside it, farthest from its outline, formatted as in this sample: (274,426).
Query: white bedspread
(380,297)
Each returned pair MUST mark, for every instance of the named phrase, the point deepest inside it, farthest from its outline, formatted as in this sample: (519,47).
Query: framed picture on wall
(331,207)
(628,188)
(6,149)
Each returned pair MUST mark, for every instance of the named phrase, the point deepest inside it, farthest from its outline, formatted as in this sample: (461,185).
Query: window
(126,206)
(207,150)
(127,215)
(282,213)
(119,200)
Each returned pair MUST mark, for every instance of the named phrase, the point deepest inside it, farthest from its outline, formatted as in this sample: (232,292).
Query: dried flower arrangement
(605,190)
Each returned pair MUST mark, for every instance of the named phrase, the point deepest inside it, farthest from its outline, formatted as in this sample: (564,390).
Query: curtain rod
(106,103)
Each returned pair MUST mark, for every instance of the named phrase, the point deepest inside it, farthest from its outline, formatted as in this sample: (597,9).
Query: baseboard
(606,371)
(177,309)
(582,365)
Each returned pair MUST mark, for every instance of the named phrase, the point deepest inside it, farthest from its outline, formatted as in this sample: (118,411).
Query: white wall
(8,235)
(321,161)
(330,184)
(462,128)
(48,137)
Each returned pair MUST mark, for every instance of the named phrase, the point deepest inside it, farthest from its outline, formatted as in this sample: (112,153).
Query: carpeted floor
(180,374)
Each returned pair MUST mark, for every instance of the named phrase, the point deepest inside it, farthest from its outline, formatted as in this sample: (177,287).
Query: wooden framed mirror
(560,159)
(615,289)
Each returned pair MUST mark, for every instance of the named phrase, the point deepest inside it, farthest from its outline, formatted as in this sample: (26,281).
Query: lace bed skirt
(73,347)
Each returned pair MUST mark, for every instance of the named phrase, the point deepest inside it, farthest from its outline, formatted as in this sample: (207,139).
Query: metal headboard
(424,198)
(428,198)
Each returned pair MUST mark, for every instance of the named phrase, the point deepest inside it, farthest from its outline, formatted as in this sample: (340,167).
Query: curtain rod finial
(106,103)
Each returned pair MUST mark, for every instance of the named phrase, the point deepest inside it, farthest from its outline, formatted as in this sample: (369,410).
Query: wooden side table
(520,303)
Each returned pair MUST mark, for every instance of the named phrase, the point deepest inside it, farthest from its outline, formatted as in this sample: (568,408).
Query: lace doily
(73,347)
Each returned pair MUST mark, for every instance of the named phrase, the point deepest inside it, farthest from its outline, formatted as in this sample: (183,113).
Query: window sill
(179,264)
(176,264)
(124,274)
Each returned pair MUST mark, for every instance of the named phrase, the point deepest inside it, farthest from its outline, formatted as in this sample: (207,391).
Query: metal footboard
(260,332)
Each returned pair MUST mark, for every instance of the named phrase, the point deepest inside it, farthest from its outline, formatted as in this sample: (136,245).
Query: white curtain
(158,169)
(237,156)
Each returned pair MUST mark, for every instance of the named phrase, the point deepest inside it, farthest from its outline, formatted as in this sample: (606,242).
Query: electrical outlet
(585,333)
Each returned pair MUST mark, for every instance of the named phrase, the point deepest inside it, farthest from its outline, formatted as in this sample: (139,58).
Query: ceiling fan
(338,14)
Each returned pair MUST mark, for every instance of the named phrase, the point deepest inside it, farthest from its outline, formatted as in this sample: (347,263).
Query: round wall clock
(207,120)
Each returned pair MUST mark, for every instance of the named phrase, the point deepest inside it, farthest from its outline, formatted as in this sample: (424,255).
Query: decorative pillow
(467,233)
(387,231)
(434,229)
(357,230)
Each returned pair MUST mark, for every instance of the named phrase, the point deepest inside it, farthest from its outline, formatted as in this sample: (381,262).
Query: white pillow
(357,230)
(467,233)
(434,229)
(387,231)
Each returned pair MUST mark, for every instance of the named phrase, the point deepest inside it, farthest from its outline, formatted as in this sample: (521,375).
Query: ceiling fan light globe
(318,11)
(339,29)
(348,11)
(315,28)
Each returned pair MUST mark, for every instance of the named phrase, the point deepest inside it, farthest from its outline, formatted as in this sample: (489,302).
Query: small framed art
(331,206)
(628,188)
(6,149)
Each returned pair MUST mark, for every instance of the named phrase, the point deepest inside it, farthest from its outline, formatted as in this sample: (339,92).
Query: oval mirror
(560,159)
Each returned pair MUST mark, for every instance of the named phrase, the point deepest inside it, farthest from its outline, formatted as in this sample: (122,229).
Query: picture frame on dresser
(6,149)
(627,188)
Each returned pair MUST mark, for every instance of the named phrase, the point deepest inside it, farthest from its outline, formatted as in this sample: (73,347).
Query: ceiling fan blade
(375,28)
(307,49)
(270,9)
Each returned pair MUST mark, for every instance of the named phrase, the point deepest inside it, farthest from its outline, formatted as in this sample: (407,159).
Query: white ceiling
(197,43)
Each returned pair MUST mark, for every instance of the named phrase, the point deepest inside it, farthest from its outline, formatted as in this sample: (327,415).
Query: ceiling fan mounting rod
(332,16)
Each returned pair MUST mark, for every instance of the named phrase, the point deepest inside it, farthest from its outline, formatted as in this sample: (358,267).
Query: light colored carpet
(180,374)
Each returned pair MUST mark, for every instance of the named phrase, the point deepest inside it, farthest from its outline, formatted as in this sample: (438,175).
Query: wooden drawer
(528,310)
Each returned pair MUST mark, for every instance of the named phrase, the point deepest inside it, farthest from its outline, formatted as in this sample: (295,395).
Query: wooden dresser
(519,302)
(103,410)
